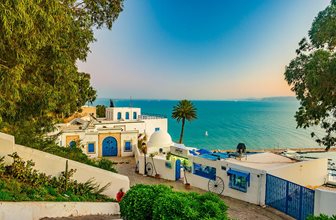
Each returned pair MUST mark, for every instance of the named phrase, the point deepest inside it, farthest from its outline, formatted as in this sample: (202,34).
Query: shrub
(75,153)
(137,204)
(191,206)
(175,205)
(20,182)
(322,217)
(160,202)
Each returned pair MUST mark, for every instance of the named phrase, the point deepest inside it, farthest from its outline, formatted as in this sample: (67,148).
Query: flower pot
(187,186)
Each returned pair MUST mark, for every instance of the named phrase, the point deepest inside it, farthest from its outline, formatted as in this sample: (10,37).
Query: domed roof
(159,139)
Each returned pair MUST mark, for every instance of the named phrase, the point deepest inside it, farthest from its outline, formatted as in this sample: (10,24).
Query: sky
(197,49)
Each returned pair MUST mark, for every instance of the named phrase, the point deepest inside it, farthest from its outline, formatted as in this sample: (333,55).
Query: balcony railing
(151,116)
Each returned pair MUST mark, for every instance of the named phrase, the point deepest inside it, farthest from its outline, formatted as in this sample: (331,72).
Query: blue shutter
(91,148)
(128,146)
(119,115)
(135,115)
(157,129)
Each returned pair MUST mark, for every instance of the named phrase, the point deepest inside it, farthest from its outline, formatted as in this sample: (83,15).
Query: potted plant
(185,165)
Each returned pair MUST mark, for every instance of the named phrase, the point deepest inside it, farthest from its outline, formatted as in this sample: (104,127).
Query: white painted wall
(160,165)
(325,202)
(127,136)
(151,124)
(38,210)
(54,165)
(310,173)
(90,138)
(112,113)
(255,192)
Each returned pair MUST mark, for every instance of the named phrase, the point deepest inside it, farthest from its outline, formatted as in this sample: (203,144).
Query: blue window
(119,115)
(127,115)
(205,171)
(91,148)
(128,146)
(135,115)
(239,180)
(157,129)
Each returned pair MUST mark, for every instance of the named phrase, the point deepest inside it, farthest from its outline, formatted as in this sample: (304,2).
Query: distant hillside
(280,98)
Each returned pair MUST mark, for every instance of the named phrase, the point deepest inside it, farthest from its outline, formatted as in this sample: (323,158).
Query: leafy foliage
(184,110)
(138,201)
(160,202)
(101,111)
(74,153)
(312,75)
(322,217)
(20,182)
(40,43)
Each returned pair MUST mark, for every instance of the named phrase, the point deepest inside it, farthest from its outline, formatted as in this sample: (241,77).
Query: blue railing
(151,116)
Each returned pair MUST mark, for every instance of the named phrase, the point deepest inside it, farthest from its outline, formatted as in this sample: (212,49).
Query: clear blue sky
(198,49)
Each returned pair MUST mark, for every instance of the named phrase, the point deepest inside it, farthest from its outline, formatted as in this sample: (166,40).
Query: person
(120,194)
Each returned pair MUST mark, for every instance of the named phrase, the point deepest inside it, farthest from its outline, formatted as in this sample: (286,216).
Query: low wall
(310,173)
(54,165)
(38,210)
(325,202)
(159,163)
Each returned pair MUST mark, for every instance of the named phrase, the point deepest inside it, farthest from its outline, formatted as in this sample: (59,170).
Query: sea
(258,123)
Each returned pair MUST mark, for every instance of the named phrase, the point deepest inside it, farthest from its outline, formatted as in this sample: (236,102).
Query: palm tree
(184,110)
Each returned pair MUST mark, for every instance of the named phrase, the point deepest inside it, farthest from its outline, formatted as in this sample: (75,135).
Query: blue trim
(135,115)
(203,151)
(193,152)
(239,180)
(119,115)
(208,157)
(91,148)
(127,115)
(205,171)
(128,146)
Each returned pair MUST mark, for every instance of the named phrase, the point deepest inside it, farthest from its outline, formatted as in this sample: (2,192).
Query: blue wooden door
(177,170)
(110,147)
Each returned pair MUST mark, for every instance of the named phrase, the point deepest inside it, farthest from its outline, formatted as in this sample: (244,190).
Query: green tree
(101,111)
(40,43)
(184,110)
(312,75)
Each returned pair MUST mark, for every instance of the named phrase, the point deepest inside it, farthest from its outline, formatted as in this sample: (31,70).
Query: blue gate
(177,170)
(290,198)
(110,147)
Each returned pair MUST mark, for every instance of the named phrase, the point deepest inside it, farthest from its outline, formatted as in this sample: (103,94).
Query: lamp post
(144,151)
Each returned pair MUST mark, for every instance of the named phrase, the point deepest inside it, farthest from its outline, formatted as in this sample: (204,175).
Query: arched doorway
(110,147)
(72,144)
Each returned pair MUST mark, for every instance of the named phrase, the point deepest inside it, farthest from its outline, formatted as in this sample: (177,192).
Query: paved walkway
(239,210)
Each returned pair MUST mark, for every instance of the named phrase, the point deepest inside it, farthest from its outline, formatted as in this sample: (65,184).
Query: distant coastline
(271,98)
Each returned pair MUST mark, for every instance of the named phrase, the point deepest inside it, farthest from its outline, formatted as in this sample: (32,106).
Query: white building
(115,135)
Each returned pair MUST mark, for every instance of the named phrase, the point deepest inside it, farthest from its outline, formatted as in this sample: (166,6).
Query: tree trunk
(182,130)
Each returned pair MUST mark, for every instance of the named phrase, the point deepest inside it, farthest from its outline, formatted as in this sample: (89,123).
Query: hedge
(160,202)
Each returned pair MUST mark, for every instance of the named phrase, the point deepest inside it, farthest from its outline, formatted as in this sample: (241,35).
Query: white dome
(159,139)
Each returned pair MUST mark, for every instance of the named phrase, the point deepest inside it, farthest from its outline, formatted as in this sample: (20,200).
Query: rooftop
(262,161)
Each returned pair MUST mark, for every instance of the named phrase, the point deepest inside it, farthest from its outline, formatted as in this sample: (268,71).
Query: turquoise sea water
(259,124)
